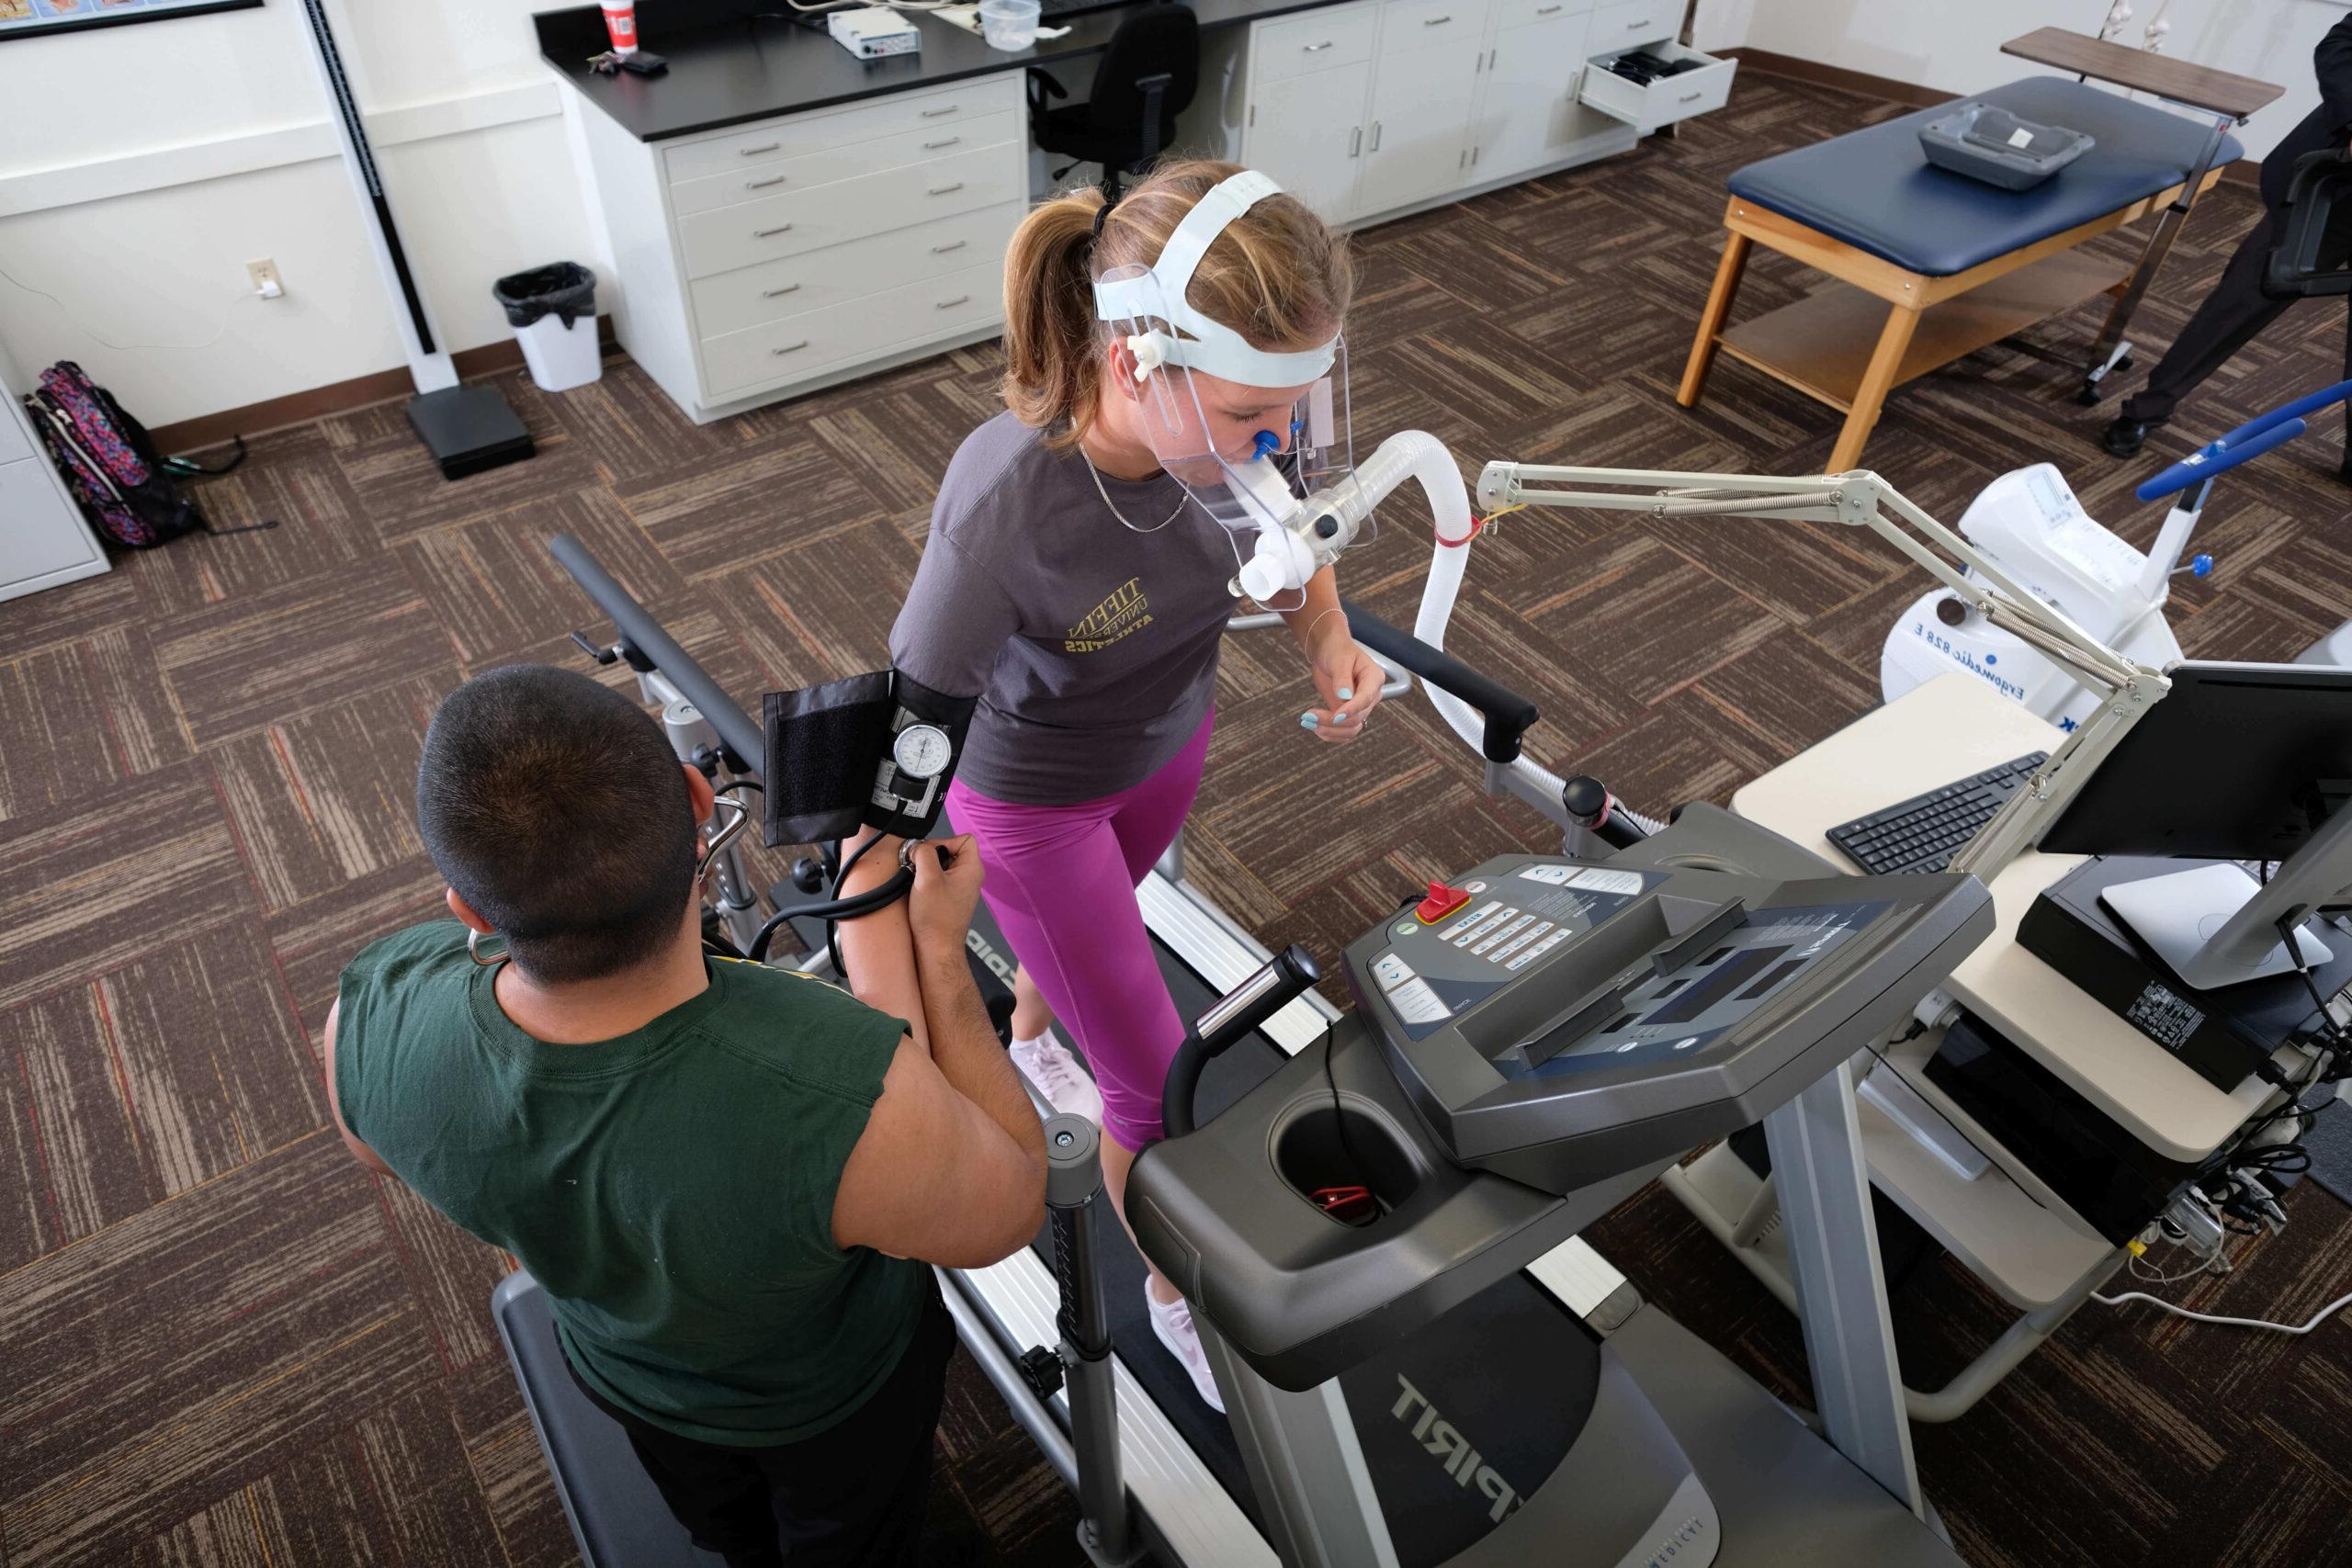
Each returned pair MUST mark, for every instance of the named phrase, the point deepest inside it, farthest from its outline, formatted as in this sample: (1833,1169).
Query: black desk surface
(729,65)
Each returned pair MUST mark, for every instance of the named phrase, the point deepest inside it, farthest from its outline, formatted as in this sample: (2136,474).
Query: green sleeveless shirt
(673,1189)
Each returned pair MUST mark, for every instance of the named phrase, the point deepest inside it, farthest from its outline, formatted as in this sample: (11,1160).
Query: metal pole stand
(695,740)
(2111,354)
(1073,1175)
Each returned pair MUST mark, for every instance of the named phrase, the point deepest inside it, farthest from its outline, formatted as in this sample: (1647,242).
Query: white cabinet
(1424,89)
(43,540)
(775,258)
(1378,108)
(1530,116)
(1308,134)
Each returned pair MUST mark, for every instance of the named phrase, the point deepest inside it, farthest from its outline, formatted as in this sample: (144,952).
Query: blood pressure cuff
(2314,230)
(832,766)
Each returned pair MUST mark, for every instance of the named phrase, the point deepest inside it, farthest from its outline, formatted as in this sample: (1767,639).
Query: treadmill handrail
(1508,716)
(1227,1023)
(641,632)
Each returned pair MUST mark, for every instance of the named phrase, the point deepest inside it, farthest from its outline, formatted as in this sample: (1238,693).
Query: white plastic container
(560,357)
(1009,25)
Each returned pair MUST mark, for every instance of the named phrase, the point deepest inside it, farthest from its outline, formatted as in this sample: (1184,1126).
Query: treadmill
(1193,1487)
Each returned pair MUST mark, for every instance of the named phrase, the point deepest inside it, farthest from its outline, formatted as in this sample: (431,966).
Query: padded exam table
(1933,266)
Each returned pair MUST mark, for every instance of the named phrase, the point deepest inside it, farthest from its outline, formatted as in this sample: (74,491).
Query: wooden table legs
(1711,319)
(1877,380)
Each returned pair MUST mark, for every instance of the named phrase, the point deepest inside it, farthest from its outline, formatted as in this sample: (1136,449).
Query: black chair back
(1154,40)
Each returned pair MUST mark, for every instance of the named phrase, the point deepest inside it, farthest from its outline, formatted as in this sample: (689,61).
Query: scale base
(469,430)
(2177,914)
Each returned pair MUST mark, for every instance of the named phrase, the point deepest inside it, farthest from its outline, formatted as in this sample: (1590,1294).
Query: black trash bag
(566,289)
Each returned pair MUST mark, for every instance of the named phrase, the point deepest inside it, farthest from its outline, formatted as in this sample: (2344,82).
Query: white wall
(142,167)
(1954,45)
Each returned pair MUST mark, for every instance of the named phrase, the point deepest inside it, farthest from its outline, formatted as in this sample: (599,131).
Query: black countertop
(730,63)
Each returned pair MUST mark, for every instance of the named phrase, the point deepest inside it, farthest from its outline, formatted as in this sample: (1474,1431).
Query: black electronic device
(2236,762)
(2223,1035)
(1923,832)
(2102,1170)
(468,429)
(1078,8)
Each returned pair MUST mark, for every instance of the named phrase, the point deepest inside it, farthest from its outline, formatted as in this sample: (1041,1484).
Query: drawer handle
(755,152)
(1314,48)
(791,347)
(1375,136)
(763,185)
(934,114)
(1436,21)
(1545,10)
(780,293)
(954,245)
(1690,97)
(769,234)
(947,190)
(1636,27)
(951,304)
(1355,140)
(935,146)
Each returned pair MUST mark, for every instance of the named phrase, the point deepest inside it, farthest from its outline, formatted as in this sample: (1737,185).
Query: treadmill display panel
(1664,1016)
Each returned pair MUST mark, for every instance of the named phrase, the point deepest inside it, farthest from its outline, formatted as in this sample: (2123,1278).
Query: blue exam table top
(1875,190)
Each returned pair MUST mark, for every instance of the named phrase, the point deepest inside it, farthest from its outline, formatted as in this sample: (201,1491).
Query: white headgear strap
(1207,345)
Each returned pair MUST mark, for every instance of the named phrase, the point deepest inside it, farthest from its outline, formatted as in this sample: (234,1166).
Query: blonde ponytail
(1275,275)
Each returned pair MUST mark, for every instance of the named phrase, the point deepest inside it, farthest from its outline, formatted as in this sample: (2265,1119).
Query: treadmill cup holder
(1346,1162)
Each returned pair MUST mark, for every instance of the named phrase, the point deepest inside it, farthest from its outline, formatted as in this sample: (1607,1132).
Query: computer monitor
(2237,762)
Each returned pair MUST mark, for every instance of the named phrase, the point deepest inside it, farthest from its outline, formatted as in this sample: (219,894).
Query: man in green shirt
(730,1178)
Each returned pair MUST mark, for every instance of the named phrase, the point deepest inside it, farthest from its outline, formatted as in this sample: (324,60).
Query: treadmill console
(1575,1009)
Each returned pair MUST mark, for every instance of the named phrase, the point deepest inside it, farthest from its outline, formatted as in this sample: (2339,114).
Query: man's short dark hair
(555,808)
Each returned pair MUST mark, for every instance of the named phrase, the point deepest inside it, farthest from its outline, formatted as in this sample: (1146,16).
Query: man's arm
(365,1156)
(951,1169)
(878,949)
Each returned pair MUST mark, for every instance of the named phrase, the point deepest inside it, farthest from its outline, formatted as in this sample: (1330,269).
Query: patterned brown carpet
(222,1343)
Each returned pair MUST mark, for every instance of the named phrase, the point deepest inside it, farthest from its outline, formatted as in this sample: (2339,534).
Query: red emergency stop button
(1443,901)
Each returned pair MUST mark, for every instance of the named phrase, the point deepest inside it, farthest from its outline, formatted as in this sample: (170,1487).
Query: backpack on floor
(111,465)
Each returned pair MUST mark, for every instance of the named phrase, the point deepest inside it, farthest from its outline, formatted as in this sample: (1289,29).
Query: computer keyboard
(1923,832)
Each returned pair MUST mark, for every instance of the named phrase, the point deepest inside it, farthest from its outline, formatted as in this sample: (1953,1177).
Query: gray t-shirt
(1092,647)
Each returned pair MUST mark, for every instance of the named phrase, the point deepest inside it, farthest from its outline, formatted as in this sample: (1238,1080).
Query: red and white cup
(620,21)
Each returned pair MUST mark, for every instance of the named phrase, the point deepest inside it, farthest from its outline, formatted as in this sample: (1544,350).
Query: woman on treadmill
(1077,584)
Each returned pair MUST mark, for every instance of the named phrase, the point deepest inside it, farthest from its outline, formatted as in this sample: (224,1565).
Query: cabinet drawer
(1315,41)
(780,175)
(795,138)
(42,534)
(850,209)
(1632,23)
(783,350)
(1521,13)
(13,443)
(1664,101)
(752,295)
(1408,26)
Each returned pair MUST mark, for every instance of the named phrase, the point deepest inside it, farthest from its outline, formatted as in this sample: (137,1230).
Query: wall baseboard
(2244,172)
(212,430)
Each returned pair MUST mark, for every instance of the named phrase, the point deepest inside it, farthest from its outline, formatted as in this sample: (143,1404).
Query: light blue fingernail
(1306,721)
(1346,693)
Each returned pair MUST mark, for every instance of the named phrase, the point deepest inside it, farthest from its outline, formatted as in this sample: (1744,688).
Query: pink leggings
(1061,882)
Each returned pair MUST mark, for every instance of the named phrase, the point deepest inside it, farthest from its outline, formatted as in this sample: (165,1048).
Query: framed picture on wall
(37,18)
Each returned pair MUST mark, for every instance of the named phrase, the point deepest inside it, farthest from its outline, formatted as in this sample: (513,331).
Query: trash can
(553,312)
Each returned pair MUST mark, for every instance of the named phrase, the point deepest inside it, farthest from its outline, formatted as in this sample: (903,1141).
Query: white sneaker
(1046,1063)
(1172,1322)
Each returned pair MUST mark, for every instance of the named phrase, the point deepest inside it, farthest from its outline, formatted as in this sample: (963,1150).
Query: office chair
(1147,77)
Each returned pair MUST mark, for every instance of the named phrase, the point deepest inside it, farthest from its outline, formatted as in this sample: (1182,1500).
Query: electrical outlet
(267,283)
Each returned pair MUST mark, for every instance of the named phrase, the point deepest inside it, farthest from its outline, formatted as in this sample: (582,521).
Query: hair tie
(1100,214)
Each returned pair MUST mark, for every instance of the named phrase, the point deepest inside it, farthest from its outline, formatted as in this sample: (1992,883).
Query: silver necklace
(1122,517)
